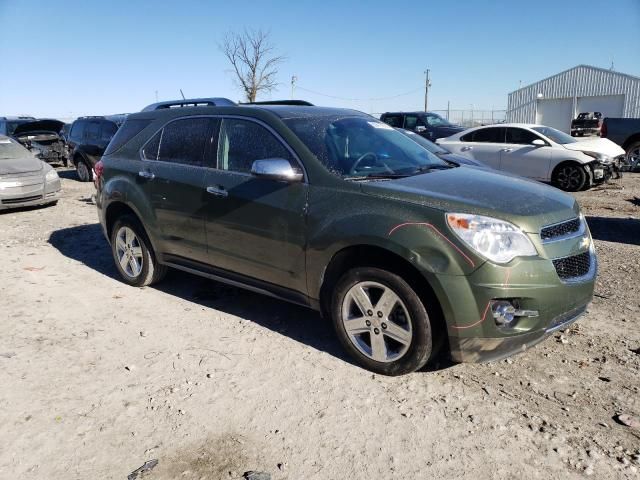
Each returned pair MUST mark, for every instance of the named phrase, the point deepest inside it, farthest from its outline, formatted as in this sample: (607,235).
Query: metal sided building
(556,100)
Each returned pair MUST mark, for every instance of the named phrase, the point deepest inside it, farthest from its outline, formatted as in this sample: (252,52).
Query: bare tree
(254,61)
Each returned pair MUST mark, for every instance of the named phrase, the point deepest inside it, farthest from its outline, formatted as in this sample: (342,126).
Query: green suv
(335,210)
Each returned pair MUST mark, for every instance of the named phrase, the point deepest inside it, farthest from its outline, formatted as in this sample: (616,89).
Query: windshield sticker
(381,125)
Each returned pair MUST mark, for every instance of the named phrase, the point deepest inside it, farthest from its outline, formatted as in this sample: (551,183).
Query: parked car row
(533,151)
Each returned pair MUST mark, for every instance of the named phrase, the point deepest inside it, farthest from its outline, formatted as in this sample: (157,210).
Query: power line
(360,99)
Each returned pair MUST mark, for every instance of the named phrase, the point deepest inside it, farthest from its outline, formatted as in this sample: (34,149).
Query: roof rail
(190,102)
(298,103)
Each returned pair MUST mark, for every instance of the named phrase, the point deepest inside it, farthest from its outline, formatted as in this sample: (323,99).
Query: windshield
(555,135)
(435,120)
(10,150)
(362,147)
(423,142)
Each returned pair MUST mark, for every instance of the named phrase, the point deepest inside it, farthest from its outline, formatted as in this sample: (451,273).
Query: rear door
(483,144)
(172,177)
(521,157)
(255,226)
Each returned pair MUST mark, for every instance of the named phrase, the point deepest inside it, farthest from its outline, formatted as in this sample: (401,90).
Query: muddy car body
(337,211)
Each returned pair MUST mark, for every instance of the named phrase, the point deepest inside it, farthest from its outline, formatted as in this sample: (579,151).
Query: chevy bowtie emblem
(584,243)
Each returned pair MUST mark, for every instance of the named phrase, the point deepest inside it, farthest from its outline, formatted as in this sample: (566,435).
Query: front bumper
(25,192)
(533,283)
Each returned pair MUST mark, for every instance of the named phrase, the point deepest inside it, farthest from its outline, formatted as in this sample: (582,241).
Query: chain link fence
(473,118)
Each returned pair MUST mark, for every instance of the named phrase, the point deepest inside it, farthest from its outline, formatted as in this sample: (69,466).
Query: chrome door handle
(466,149)
(217,191)
(146,175)
(507,150)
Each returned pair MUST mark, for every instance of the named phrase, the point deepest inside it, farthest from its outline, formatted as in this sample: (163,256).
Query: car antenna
(182,94)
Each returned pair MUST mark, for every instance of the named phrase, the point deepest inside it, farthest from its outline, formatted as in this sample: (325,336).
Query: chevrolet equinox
(337,211)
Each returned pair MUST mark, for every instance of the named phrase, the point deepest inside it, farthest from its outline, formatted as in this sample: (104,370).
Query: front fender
(416,233)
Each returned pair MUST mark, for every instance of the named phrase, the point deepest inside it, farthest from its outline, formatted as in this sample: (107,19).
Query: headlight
(51,175)
(601,157)
(494,239)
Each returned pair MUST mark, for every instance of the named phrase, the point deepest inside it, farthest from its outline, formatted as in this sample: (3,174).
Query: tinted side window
(128,130)
(77,130)
(185,141)
(150,150)
(520,136)
(242,141)
(93,131)
(485,135)
(3,127)
(109,129)
(393,120)
(413,121)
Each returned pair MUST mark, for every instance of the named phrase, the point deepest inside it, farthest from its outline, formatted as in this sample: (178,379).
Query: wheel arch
(117,209)
(631,141)
(374,256)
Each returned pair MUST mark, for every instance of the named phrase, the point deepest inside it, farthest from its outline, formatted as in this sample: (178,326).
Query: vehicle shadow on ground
(87,245)
(619,230)
(68,174)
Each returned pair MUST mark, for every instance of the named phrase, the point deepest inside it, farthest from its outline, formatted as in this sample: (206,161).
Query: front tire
(132,253)
(381,321)
(570,177)
(632,157)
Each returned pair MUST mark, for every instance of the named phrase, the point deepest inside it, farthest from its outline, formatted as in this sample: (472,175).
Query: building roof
(591,67)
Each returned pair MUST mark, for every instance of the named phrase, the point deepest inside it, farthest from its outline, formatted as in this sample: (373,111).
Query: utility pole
(294,79)
(427,84)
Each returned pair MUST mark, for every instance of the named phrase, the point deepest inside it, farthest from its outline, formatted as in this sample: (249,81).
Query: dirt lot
(212,381)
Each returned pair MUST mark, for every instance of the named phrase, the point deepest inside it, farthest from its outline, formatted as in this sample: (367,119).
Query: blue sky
(68,58)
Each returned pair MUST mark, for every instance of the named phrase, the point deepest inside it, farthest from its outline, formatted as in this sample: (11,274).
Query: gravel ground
(214,381)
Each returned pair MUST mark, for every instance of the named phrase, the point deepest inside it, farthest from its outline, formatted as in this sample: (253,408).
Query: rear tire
(84,171)
(381,321)
(570,177)
(132,253)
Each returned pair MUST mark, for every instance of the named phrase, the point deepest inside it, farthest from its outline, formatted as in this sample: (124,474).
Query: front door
(255,226)
(173,177)
(518,155)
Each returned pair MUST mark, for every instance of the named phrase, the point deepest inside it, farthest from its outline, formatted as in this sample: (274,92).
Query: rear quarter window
(128,130)
(77,130)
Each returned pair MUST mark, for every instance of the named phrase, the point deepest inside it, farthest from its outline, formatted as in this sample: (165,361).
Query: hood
(529,205)
(15,159)
(448,131)
(39,126)
(597,145)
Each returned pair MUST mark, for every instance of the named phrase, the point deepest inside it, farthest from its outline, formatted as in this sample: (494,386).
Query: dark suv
(87,140)
(334,210)
(427,124)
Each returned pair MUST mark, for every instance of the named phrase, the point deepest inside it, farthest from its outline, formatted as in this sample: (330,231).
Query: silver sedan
(25,180)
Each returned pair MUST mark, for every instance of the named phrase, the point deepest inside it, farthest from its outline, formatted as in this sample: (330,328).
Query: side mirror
(539,143)
(421,129)
(275,169)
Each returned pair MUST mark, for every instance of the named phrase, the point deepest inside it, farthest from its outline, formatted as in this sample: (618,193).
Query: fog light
(503,312)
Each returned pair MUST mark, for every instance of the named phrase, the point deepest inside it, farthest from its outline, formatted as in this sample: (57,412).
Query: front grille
(9,201)
(572,267)
(560,229)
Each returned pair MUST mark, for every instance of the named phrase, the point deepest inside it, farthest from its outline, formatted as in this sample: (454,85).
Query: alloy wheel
(570,178)
(633,159)
(83,171)
(129,252)
(376,321)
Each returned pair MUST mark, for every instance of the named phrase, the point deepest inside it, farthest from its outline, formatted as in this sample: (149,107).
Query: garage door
(609,105)
(556,113)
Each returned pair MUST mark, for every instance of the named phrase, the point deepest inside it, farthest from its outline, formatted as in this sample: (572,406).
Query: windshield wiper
(428,168)
(378,176)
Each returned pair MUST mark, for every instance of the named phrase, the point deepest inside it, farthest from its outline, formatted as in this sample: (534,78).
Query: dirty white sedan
(24,179)
(538,152)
